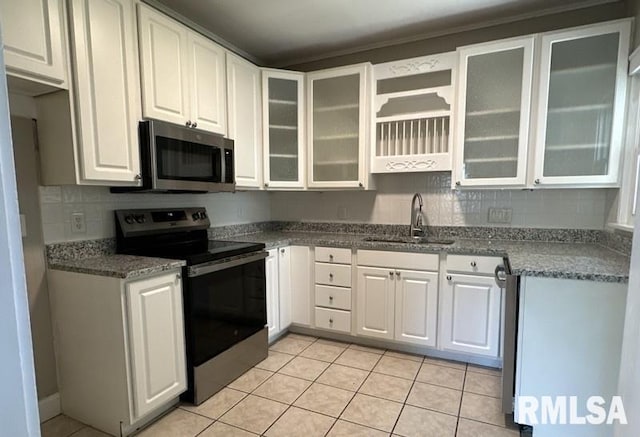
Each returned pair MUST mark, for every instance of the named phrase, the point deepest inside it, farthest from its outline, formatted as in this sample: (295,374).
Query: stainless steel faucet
(416,217)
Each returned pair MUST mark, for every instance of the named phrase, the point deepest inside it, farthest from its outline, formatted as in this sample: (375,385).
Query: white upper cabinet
(183,74)
(283,129)
(413,105)
(492,113)
(208,84)
(33,36)
(156,341)
(107,85)
(338,127)
(580,111)
(244,91)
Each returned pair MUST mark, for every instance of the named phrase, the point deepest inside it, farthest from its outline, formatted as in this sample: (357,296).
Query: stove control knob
(203,215)
(195,216)
(140,218)
(129,219)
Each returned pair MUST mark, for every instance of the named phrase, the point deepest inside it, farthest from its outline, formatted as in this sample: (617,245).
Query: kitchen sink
(407,240)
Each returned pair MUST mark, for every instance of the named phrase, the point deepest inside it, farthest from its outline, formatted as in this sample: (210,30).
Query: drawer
(485,265)
(333,274)
(334,320)
(333,255)
(399,260)
(333,297)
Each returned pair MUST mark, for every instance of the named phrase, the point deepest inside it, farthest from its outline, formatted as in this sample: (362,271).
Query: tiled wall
(98,204)
(389,204)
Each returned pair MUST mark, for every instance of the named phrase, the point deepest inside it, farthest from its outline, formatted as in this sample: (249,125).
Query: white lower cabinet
(156,341)
(416,307)
(470,315)
(288,289)
(396,303)
(120,347)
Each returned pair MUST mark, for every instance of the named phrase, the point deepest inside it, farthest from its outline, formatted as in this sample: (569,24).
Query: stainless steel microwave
(175,158)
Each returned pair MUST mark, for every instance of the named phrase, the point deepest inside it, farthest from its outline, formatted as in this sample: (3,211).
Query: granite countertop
(117,266)
(586,261)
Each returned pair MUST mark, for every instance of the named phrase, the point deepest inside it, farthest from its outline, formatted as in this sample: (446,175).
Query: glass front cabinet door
(338,127)
(492,113)
(283,133)
(580,113)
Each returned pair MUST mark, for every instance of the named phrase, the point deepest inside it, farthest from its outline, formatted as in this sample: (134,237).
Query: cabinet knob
(282,250)
(449,277)
(138,177)
(178,277)
(266,184)
(474,264)
(537,182)
(330,257)
(398,274)
(458,183)
(331,298)
(331,321)
(194,125)
(188,123)
(391,274)
(361,185)
(330,275)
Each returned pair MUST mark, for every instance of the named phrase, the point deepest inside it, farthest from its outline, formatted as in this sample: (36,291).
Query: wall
(98,204)
(449,42)
(390,204)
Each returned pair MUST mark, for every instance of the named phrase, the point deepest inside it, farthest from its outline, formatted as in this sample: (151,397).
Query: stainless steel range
(224,291)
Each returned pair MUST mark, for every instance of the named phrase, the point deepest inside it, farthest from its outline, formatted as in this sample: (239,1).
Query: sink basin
(407,240)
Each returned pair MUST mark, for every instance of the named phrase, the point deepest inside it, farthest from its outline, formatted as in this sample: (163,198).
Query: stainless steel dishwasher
(511,283)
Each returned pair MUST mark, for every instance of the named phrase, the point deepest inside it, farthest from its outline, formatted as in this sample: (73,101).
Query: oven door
(185,159)
(225,303)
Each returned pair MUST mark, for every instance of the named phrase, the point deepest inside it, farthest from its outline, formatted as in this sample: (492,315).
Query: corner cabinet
(120,347)
(492,113)
(283,129)
(183,74)
(244,97)
(582,93)
(34,40)
(107,90)
(338,102)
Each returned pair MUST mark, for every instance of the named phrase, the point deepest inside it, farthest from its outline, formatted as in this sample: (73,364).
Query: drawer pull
(449,278)
(474,264)
(391,274)
(331,321)
(331,258)
(398,274)
(330,298)
(331,276)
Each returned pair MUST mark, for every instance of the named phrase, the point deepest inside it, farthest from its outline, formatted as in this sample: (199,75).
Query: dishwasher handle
(500,275)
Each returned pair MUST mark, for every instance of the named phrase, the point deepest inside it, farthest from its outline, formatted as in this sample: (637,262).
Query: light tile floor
(313,387)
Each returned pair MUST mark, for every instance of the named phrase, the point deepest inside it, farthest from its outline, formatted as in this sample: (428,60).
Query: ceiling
(278,32)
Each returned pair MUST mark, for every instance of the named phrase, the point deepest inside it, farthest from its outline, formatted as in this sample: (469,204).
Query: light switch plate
(500,215)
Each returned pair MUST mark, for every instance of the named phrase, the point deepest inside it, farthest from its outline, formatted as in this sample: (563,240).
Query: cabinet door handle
(398,274)
(391,274)
(537,182)
(330,275)
(281,250)
(178,277)
(458,183)
(330,257)
(449,278)
(361,185)
(474,264)
(331,321)
(266,184)
(188,123)
(138,177)
(330,298)
(194,125)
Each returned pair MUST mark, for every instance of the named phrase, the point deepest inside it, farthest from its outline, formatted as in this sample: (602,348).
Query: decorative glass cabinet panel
(581,105)
(283,109)
(338,126)
(492,113)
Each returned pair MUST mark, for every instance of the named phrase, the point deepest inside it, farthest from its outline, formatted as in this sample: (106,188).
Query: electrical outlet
(78,224)
(500,215)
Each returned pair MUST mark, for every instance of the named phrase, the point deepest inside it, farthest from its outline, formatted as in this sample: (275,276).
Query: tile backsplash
(390,204)
(98,203)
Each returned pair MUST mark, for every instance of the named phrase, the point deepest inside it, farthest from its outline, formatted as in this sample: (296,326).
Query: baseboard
(49,407)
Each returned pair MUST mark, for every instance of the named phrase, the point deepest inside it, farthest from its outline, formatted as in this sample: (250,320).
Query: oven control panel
(134,222)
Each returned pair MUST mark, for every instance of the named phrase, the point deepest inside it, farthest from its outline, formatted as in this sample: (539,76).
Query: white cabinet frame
(623,27)
(526,43)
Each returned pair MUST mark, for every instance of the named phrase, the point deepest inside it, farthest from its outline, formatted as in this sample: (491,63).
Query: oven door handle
(204,269)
